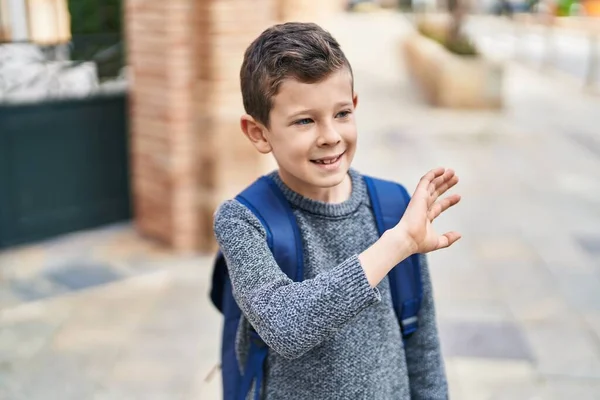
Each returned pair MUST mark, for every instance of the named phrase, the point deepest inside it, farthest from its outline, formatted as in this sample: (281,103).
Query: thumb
(448,239)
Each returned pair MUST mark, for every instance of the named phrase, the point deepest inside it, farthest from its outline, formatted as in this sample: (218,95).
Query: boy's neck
(334,195)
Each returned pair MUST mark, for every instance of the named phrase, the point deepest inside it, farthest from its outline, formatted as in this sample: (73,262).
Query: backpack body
(266,201)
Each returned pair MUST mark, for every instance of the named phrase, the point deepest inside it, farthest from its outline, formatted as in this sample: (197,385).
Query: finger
(441,184)
(446,176)
(443,188)
(442,206)
(448,239)
(426,180)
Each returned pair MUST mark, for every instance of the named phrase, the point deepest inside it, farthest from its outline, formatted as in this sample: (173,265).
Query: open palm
(424,207)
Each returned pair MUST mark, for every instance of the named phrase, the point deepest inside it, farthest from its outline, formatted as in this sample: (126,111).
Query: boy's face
(312,132)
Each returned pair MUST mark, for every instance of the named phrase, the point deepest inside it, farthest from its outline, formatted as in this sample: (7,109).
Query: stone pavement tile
(178,350)
(590,243)
(53,311)
(79,276)
(564,347)
(560,249)
(104,321)
(505,249)
(580,289)
(53,376)
(22,262)
(532,221)
(481,379)
(23,340)
(79,338)
(10,384)
(116,391)
(526,390)
(475,220)
(472,284)
(579,216)
(94,362)
(537,309)
(109,324)
(35,289)
(592,320)
(453,378)
(71,248)
(165,319)
(528,289)
(104,392)
(206,385)
(487,311)
(126,245)
(79,260)
(177,336)
(141,376)
(486,340)
(98,362)
(150,371)
(120,303)
(27,329)
(8,298)
(558,388)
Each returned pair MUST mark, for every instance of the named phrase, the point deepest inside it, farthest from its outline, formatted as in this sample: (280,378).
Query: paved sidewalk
(564,51)
(108,315)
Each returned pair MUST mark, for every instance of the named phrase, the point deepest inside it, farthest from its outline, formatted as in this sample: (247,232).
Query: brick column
(188,153)
(160,54)
(228,161)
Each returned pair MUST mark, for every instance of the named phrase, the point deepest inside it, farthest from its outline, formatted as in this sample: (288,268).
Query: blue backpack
(268,204)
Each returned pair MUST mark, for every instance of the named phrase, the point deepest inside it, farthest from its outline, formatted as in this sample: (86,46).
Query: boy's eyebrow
(310,110)
(297,113)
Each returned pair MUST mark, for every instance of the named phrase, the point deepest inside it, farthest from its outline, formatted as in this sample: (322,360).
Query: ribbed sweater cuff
(353,284)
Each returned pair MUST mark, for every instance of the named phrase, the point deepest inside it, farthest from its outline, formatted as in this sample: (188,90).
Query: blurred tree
(96,27)
(449,33)
(457,10)
(95,16)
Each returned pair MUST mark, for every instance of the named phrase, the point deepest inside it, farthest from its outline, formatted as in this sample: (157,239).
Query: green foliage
(95,16)
(96,27)
(461,46)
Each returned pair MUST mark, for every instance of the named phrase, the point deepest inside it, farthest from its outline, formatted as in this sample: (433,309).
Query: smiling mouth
(328,160)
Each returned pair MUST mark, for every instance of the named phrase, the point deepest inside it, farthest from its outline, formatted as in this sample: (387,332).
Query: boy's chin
(330,179)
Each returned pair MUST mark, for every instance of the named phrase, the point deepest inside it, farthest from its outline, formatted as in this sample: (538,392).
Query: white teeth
(327,161)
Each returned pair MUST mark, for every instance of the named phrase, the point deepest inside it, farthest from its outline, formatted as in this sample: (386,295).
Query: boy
(333,335)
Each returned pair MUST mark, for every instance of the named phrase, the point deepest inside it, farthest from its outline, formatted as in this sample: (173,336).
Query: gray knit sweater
(331,336)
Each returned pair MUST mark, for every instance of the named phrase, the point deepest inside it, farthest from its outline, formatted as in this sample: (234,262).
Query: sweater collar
(349,206)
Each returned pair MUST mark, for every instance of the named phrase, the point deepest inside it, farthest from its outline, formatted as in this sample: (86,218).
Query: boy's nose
(329,136)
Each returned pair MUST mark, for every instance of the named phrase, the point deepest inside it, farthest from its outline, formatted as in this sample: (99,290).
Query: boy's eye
(343,114)
(303,121)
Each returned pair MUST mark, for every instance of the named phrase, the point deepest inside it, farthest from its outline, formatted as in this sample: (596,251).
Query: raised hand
(423,208)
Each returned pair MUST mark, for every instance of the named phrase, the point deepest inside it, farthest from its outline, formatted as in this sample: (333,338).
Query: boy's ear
(355,99)
(255,131)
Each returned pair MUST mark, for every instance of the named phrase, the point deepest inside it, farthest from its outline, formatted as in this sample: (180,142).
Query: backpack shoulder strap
(266,201)
(389,201)
(268,204)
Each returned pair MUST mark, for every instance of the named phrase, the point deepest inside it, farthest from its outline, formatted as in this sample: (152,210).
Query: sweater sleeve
(423,354)
(291,317)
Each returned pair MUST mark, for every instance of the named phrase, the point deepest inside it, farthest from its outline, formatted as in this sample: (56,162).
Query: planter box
(449,80)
